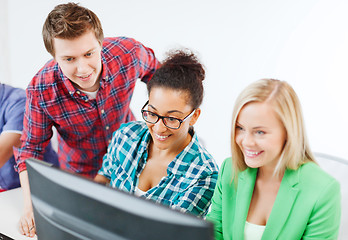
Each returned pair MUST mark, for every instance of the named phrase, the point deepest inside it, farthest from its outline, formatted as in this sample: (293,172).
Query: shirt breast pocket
(78,124)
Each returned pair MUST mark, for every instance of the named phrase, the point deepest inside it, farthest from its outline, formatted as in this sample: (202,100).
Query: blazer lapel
(283,204)
(245,188)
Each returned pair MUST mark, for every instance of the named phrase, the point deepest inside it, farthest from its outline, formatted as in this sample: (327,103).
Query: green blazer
(307,205)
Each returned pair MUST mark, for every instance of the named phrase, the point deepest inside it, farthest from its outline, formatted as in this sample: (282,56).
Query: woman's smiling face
(167,102)
(260,135)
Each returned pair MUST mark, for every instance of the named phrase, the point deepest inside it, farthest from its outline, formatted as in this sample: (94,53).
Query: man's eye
(260,132)
(89,54)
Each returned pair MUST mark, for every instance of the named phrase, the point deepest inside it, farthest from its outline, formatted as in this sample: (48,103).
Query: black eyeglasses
(169,122)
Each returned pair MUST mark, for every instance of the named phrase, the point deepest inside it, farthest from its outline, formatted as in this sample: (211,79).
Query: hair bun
(185,60)
(181,70)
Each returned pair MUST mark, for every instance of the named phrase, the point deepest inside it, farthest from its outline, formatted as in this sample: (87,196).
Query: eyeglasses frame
(164,117)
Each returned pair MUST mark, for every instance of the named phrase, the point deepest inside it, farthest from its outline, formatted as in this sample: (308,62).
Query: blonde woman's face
(260,135)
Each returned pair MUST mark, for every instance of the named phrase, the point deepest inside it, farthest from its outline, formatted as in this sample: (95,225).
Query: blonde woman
(272,187)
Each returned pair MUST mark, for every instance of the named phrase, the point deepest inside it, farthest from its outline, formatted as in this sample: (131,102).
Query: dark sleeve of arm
(14,112)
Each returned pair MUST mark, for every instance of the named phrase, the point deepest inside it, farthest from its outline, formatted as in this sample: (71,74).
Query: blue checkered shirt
(191,176)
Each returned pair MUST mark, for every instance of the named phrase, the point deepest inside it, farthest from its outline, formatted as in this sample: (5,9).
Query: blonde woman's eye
(239,128)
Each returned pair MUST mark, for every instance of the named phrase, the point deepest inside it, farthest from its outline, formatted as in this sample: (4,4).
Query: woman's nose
(159,126)
(248,140)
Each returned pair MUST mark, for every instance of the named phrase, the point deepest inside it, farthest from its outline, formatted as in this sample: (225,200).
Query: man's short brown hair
(69,21)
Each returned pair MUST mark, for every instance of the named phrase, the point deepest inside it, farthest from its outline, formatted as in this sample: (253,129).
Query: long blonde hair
(287,106)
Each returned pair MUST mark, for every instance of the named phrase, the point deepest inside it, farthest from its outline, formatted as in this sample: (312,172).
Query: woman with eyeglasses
(161,159)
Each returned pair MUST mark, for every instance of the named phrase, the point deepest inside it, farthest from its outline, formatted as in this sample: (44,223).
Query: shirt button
(86,100)
(109,141)
(102,111)
(71,93)
(78,92)
(107,127)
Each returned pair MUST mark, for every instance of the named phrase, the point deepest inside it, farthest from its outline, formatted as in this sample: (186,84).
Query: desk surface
(11,207)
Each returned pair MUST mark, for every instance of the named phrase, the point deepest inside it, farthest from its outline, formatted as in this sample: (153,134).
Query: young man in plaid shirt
(84,92)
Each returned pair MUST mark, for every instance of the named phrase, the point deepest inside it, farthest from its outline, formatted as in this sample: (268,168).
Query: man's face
(80,60)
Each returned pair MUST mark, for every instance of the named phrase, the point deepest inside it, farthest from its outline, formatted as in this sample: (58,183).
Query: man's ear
(195,116)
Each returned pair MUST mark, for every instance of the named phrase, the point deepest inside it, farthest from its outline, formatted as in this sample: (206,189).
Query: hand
(102,179)
(27,224)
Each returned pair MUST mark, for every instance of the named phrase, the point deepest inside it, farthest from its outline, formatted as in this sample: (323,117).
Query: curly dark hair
(182,71)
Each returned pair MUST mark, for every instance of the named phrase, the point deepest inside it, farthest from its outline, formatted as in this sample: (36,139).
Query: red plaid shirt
(84,126)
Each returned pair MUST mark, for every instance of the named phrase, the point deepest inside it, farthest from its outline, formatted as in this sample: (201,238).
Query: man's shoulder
(46,77)
(119,45)
(124,42)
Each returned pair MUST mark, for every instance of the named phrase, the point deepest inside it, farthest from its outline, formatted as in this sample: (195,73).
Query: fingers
(32,231)
(23,226)
(27,225)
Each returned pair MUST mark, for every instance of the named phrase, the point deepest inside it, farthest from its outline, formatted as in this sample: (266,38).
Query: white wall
(239,41)
(4,50)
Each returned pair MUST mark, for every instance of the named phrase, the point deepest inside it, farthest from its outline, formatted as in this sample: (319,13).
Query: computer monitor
(68,206)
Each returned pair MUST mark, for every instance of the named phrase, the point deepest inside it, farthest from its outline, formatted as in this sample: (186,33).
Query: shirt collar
(105,72)
(67,83)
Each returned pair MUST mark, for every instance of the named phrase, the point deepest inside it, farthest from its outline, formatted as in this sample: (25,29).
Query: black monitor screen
(68,206)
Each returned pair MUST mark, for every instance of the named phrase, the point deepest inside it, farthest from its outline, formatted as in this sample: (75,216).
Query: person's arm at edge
(39,123)
(13,123)
(8,140)
(26,222)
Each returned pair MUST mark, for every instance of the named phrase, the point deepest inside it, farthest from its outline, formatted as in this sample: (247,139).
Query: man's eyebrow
(67,56)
